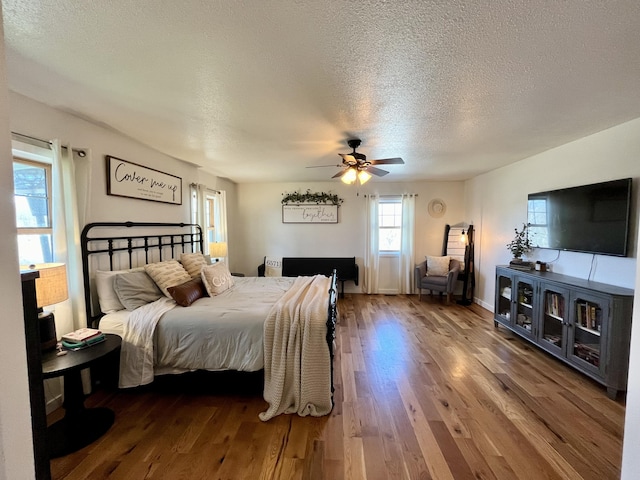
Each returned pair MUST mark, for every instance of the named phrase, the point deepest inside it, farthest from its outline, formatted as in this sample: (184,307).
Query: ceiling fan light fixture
(349,176)
(364,176)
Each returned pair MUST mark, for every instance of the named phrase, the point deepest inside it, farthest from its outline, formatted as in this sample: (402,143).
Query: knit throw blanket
(297,364)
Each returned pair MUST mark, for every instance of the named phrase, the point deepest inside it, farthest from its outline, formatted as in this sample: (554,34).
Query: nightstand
(80,426)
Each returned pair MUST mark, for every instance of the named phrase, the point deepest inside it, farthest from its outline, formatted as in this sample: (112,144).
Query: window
(32,196)
(390,224)
(205,211)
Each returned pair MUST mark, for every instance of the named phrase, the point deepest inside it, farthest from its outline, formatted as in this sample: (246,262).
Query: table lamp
(218,250)
(51,288)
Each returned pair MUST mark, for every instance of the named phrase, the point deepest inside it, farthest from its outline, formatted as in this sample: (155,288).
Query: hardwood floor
(423,390)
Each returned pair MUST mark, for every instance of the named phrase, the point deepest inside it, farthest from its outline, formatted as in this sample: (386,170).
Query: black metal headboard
(112,244)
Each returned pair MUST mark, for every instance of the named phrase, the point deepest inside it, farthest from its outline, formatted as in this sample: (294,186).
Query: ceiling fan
(357,167)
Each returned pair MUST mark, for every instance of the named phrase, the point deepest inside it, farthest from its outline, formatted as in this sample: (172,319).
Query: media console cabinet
(585,324)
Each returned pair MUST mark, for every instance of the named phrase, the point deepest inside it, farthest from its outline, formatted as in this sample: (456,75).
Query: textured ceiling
(258,90)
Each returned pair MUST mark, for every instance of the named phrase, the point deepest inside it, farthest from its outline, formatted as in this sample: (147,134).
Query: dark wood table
(80,426)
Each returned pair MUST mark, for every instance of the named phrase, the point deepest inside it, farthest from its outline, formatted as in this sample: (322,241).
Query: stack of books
(82,338)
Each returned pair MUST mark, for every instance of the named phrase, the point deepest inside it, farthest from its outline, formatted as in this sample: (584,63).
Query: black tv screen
(590,218)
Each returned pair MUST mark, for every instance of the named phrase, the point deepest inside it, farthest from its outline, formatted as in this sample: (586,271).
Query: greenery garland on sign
(309,197)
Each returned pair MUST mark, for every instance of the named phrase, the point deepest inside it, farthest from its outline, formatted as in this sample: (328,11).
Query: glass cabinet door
(590,315)
(554,319)
(524,306)
(503,298)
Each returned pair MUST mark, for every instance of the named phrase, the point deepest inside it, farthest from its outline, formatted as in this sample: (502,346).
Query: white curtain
(201,193)
(221,216)
(200,213)
(371,259)
(70,184)
(407,257)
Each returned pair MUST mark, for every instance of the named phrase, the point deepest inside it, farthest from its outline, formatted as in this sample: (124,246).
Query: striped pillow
(193,263)
(167,274)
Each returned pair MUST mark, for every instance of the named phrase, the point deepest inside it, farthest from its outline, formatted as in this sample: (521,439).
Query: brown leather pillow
(188,292)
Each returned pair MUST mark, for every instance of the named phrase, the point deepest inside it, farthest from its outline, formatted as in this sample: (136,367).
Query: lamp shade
(51,286)
(218,249)
(363,176)
(349,176)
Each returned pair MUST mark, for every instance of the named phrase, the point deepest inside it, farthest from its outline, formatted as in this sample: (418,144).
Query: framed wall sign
(309,213)
(128,179)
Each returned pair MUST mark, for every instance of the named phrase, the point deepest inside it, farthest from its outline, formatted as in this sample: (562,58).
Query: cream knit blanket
(297,364)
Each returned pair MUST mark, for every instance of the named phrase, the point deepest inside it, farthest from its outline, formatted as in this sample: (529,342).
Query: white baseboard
(54,404)
(486,305)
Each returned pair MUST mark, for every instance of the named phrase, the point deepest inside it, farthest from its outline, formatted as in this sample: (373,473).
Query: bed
(283,326)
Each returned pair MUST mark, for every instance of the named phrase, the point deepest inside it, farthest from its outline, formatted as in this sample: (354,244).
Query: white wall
(16,447)
(41,121)
(38,120)
(499,200)
(263,233)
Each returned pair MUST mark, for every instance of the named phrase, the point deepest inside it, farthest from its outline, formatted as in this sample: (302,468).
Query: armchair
(436,283)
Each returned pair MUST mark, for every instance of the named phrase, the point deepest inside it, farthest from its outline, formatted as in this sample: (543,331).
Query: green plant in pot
(521,244)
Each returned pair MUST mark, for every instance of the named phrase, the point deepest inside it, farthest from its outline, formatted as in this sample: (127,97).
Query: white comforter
(224,332)
(136,354)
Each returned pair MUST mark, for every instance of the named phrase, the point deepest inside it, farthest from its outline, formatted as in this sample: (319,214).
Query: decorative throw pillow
(216,278)
(107,296)
(135,289)
(273,267)
(188,292)
(193,263)
(167,274)
(437,266)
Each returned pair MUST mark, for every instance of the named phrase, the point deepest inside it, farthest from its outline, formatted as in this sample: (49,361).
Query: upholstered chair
(437,275)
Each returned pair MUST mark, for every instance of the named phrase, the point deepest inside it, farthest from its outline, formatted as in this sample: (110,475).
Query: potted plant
(521,244)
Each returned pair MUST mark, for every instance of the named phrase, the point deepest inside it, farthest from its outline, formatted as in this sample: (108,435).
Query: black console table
(80,426)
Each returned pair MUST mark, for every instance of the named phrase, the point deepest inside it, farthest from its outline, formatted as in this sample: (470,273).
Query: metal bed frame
(179,238)
(167,242)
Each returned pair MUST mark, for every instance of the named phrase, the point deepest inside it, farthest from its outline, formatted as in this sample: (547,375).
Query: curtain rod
(205,187)
(46,143)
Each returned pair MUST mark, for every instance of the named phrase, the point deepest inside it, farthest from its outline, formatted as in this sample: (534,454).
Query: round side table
(80,426)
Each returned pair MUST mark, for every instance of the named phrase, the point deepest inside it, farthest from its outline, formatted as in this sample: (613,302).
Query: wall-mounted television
(589,218)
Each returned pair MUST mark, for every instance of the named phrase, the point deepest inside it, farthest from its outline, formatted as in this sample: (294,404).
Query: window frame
(48,172)
(396,200)
(30,231)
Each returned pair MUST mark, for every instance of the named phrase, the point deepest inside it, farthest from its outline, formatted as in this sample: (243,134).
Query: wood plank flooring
(423,390)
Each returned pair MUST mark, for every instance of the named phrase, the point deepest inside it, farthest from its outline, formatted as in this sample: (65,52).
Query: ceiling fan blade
(376,171)
(321,166)
(339,174)
(388,161)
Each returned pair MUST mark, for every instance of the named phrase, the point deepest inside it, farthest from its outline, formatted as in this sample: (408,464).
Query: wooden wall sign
(128,179)
(309,213)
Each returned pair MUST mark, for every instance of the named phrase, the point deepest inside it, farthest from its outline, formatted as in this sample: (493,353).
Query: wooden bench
(346,268)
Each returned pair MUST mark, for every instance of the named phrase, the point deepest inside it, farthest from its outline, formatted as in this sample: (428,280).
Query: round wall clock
(437,208)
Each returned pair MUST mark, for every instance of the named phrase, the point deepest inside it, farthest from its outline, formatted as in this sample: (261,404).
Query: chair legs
(449,295)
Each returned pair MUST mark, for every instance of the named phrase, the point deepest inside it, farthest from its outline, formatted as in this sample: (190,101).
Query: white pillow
(216,278)
(272,267)
(167,274)
(438,266)
(107,297)
(193,263)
